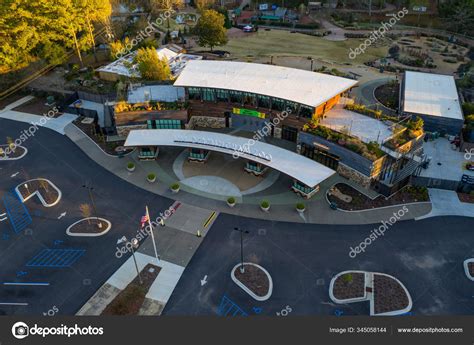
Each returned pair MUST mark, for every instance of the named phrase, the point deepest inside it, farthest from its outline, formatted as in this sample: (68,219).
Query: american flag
(144,220)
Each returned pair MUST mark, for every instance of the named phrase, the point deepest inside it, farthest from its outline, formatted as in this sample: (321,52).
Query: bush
(130,165)
(151,176)
(300,206)
(231,200)
(175,186)
(265,204)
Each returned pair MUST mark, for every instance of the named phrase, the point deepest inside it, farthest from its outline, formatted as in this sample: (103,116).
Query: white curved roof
(292,84)
(290,163)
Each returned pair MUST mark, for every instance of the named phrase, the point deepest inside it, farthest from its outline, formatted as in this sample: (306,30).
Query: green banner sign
(248,112)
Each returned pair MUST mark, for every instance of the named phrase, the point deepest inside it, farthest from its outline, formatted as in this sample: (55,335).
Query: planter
(301,210)
(256,281)
(87,227)
(175,188)
(231,202)
(265,209)
(131,168)
(151,178)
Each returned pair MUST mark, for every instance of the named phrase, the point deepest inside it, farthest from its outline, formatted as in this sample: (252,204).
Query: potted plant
(265,205)
(231,201)
(175,187)
(300,207)
(151,177)
(130,166)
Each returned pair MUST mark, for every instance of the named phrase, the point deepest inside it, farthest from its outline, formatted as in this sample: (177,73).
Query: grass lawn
(283,43)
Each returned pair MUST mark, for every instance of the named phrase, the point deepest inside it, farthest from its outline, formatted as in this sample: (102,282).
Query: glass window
(263,101)
(194,93)
(222,95)
(208,95)
(235,96)
(168,124)
(249,98)
(278,104)
(306,112)
(291,107)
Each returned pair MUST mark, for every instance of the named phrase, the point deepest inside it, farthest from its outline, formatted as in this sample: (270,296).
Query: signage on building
(234,148)
(248,112)
(263,7)
(419,8)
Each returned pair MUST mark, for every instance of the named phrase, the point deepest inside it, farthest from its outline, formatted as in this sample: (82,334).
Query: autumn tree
(210,29)
(150,66)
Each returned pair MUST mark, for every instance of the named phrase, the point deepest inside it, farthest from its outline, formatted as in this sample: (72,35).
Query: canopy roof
(290,163)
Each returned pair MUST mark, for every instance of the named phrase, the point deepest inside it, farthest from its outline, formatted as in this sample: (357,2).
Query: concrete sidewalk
(447,203)
(156,297)
(282,205)
(56,124)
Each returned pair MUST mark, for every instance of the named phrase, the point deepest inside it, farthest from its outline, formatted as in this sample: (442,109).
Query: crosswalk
(16,212)
(55,258)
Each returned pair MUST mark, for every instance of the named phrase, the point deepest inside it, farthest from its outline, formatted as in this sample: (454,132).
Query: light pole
(242,270)
(312,60)
(134,246)
(90,189)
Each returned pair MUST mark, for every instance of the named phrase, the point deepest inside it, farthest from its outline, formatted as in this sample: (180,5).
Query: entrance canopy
(290,163)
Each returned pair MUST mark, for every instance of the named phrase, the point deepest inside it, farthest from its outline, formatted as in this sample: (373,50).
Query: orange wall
(323,108)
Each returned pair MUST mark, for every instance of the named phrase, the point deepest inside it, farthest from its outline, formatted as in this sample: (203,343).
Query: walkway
(447,203)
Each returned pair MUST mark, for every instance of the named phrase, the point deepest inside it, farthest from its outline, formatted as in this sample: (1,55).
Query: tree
(86,211)
(210,29)
(150,66)
(163,5)
(202,5)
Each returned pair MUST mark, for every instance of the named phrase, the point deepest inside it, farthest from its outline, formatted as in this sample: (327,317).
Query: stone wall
(353,175)
(124,130)
(206,122)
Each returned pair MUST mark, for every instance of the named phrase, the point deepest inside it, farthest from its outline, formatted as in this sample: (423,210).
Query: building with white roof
(433,97)
(291,84)
(126,67)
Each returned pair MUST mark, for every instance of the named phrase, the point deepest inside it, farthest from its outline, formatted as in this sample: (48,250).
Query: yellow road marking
(211,217)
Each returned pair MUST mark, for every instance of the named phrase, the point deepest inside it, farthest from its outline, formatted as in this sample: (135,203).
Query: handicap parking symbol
(338,312)
(257,310)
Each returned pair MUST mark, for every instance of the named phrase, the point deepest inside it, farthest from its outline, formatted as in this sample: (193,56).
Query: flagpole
(151,232)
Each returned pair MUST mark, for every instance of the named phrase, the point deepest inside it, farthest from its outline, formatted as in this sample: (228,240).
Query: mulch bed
(254,279)
(12,154)
(345,288)
(387,94)
(362,202)
(463,197)
(130,299)
(470,267)
(89,226)
(108,147)
(49,194)
(388,295)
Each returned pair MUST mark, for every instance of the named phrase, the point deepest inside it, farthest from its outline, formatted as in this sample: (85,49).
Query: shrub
(231,200)
(175,186)
(265,204)
(151,176)
(300,206)
(130,165)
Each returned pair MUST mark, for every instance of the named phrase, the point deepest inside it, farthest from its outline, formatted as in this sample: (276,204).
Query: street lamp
(312,60)
(242,270)
(134,243)
(90,189)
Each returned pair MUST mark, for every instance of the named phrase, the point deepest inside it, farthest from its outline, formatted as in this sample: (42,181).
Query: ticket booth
(148,153)
(198,155)
(304,190)
(255,168)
